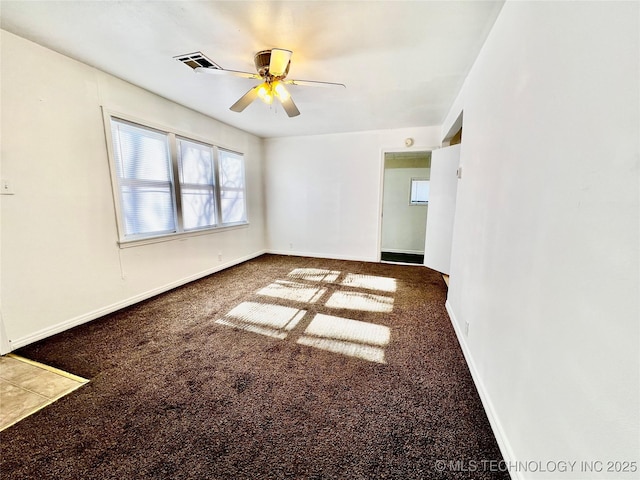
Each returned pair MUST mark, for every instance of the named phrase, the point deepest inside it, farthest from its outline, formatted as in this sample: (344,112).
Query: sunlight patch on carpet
(365,302)
(314,274)
(263,318)
(297,292)
(348,337)
(354,338)
(338,328)
(370,282)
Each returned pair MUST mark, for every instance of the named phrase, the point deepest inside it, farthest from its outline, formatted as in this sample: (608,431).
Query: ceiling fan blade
(279,61)
(290,107)
(245,100)
(311,83)
(220,71)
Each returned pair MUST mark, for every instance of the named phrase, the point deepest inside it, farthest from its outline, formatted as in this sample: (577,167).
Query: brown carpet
(176,394)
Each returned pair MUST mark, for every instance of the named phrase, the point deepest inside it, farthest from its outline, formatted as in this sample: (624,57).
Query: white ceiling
(403,62)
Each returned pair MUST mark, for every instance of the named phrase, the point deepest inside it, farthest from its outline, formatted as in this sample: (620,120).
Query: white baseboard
(100,312)
(322,255)
(494,420)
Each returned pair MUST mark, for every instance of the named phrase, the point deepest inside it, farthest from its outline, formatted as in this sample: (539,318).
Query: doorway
(405,205)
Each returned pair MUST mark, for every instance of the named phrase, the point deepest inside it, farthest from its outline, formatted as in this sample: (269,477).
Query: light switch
(6,188)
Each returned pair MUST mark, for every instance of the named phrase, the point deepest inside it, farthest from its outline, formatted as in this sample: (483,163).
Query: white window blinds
(166,184)
(143,167)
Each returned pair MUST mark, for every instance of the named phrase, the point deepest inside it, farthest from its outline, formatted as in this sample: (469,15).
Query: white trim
(179,235)
(380,206)
(73,322)
(5,347)
(323,255)
(455,126)
(494,421)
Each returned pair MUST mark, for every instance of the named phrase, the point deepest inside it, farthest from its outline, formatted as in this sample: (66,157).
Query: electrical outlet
(219,256)
(291,246)
(466,329)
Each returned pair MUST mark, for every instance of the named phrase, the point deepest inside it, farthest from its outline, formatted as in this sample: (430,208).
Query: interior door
(442,208)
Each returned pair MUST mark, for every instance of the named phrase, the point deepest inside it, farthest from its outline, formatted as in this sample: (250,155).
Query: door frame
(383,152)
(5,347)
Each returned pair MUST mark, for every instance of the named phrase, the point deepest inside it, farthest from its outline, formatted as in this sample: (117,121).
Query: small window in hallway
(419,191)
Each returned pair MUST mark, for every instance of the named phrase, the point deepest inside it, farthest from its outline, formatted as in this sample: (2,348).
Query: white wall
(61,264)
(324,191)
(545,259)
(403,224)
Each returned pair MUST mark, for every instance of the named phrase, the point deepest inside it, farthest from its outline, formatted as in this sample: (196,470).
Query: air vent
(197,59)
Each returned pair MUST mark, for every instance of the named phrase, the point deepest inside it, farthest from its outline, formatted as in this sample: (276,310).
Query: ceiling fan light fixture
(272,67)
(281,92)
(265,93)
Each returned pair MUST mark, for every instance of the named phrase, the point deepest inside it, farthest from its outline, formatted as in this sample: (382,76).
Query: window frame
(173,135)
(222,187)
(214,185)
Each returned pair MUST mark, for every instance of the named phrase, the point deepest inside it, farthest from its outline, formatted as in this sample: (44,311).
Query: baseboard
(494,421)
(87,317)
(322,255)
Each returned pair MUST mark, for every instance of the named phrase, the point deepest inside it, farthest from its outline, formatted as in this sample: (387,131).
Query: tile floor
(26,387)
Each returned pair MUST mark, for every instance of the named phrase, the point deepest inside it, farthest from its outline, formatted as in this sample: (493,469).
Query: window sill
(179,236)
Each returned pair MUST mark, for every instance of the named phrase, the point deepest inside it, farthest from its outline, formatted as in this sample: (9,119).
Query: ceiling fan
(272,67)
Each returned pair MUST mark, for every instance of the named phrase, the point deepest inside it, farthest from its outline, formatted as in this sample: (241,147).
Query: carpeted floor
(282,367)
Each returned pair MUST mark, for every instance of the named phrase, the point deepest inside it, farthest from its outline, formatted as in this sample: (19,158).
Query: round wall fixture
(408,142)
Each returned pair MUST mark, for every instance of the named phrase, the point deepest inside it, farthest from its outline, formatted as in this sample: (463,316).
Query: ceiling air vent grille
(197,59)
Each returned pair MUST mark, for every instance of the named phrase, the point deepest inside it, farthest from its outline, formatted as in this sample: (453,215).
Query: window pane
(195,162)
(140,153)
(231,169)
(143,167)
(198,208)
(233,209)
(419,191)
(232,196)
(147,209)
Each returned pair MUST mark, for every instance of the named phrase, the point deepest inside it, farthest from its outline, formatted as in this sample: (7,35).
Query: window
(419,191)
(197,184)
(209,191)
(232,187)
(143,167)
